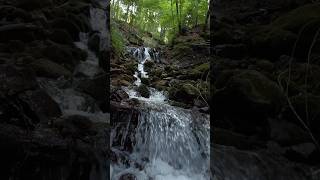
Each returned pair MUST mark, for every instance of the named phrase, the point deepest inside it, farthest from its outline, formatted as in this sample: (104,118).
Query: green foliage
(117,40)
(163,18)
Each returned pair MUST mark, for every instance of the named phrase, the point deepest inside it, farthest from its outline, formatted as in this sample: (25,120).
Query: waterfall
(165,142)
(170,143)
(64,91)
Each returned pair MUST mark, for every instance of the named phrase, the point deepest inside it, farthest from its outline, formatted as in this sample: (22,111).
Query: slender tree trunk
(207,20)
(172,15)
(179,20)
(180,13)
(127,12)
(197,13)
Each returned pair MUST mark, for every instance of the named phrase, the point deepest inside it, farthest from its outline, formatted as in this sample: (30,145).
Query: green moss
(131,66)
(148,65)
(145,81)
(143,91)
(297,18)
(117,40)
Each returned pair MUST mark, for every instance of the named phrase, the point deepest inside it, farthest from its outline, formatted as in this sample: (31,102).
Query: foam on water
(170,143)
(155,96)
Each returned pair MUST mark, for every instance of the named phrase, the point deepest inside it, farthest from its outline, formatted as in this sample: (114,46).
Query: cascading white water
(64,92)
(90,67)
(168,142)
(171,143)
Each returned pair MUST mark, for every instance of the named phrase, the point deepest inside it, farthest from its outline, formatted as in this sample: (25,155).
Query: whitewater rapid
(169,143)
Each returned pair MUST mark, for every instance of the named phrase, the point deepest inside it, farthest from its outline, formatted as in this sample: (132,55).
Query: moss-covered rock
(273,42)
(184,92)
(131,66)
(46,68)
(280,36)
(148,65)
(248,97)
(145,81)
(161,84)
(143,91)
(297,18)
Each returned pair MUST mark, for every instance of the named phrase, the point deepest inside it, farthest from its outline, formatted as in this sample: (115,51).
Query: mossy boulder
(66,55)
(156,72)
(145,81)
(148,65)
(46,68)
(248,98)
(184,92)
(143,91)
(299,104)
(280,36)
(200,71)
(131,66)
(161,84)
(272,42)
(297,18)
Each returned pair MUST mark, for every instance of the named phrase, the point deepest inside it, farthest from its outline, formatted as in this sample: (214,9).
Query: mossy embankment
(265,65)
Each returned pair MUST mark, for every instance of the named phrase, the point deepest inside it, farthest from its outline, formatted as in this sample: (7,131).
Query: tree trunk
(207,20)
(179,20)
(172,15)
(127,13)
(197,13)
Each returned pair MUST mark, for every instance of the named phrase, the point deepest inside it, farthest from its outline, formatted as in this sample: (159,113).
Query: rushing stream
(167,142)
(64,91)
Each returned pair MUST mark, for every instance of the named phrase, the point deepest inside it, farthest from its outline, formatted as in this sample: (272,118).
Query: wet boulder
(118,95)
(96,87)
(143,90)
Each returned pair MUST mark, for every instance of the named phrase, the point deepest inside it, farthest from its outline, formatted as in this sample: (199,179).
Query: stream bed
(164,143)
